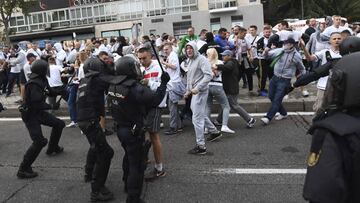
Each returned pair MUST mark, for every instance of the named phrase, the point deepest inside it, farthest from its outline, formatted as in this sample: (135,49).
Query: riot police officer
(333,174)
(33,114)
(90,106)
(129,101)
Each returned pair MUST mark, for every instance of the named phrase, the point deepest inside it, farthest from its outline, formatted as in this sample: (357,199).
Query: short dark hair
(222,30)
(97,42)
(346,32)
(253,26)
(284,23)
(102,53)
(30,55)
(144,49)
(241,29)
(146,37)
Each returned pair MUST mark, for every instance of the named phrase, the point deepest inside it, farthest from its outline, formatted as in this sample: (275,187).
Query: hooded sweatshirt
(199,74)
(60,55)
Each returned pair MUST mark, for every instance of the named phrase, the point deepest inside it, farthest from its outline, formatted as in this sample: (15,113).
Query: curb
(257,106)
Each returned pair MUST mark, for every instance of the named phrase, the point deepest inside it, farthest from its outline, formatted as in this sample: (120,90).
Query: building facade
(108,18)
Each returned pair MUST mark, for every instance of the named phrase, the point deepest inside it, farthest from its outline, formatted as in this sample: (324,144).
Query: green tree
(276,10)
(8,8)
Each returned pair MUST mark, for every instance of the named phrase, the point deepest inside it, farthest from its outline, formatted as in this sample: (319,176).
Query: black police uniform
(34,115)
(129,101)
(90,106)
(333,174)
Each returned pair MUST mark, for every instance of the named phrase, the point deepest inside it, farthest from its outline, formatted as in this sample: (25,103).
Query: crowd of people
(201,68)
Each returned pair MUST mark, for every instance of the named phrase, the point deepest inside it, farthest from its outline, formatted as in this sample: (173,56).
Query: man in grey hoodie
(198,78)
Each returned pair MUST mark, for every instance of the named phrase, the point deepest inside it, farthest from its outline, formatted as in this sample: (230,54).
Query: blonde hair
(212,56)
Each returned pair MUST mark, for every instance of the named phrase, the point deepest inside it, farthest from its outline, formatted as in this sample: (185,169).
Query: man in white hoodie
(198,78)
(60,54)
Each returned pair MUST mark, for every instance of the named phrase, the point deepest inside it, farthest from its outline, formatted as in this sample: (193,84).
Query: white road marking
(265,171)
(232,115)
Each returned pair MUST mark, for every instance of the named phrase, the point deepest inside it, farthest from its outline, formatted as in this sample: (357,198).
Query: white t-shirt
(174,73)
(327,32)
(286,34)
(27,70)
(217,80)
(321,55)
(55,76)
(158,42)
(200,43)
(253,43)
(243,46)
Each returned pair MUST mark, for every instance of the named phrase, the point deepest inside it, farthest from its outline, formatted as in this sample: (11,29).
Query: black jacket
(210,45)
(91,101)
(230,76)
(36,91)
(129,102)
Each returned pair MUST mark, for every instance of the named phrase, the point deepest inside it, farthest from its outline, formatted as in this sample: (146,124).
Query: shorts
(153,120)
(22,77)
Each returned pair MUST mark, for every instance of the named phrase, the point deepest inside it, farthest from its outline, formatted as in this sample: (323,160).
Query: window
(180,28)
(237,20)
(215,24)
(217,4)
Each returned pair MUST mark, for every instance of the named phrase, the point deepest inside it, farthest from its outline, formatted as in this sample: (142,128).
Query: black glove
(165,77)
(289,89)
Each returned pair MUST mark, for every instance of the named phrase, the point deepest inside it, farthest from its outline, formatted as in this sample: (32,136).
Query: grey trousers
(199,118)
(234,105)
(175,121)
(217,93)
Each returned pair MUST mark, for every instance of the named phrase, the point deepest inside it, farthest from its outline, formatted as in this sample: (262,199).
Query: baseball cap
(290,41)
(227,53)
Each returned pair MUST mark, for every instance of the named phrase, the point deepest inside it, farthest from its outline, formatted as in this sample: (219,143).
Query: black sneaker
(251,123)
(214,136)
(217,123)
(99,196)
(26,174)
(154,174)
(197,151)
(171,131)
(105,191)
(57,150)
(108,132)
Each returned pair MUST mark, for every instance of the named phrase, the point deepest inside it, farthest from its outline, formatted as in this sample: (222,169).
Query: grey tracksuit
(198,77)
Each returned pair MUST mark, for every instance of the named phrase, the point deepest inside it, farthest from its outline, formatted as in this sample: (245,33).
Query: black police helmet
(40,67)
(350,45)
(94,64)
(128,66)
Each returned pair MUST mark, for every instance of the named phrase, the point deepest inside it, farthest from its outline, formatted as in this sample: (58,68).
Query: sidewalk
(252,103)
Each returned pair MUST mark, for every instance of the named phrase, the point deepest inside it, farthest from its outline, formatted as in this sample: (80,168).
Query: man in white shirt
(335,27)
(324,56)
(55,79)
(60,54)
(175,88)
(152,79)
(17,62)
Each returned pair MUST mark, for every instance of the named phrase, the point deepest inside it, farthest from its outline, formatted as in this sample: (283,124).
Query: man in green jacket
(187,38)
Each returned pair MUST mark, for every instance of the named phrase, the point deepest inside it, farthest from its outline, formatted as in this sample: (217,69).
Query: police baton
(157,57)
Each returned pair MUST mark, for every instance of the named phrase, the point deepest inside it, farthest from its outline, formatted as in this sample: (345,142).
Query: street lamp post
(302,9)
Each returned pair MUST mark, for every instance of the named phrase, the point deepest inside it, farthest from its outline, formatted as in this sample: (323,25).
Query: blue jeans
(277,89)
(217,93)
(72,102)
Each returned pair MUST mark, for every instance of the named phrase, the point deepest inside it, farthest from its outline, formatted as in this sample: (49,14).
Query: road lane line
(265,171)
(232,115)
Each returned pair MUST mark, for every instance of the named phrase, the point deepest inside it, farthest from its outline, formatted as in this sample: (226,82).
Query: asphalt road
(219,177)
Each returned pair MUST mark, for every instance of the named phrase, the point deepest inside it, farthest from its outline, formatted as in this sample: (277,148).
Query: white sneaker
(280,117)
(265,120)
(206,131)
(161,124)
(72,125)
(305,93)
(286,97)
(226,129)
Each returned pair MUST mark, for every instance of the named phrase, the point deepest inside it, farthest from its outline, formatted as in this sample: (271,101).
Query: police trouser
(99,156)
(33,122)
(134,160)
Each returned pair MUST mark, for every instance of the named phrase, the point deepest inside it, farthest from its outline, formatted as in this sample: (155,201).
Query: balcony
(116,11)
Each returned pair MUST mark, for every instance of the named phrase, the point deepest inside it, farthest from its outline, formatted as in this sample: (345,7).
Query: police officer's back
(333,174)
(128,103)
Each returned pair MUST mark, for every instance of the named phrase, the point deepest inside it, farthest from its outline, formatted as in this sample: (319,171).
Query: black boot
(26,173)
(56,150)
(134,199)
(99,196)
